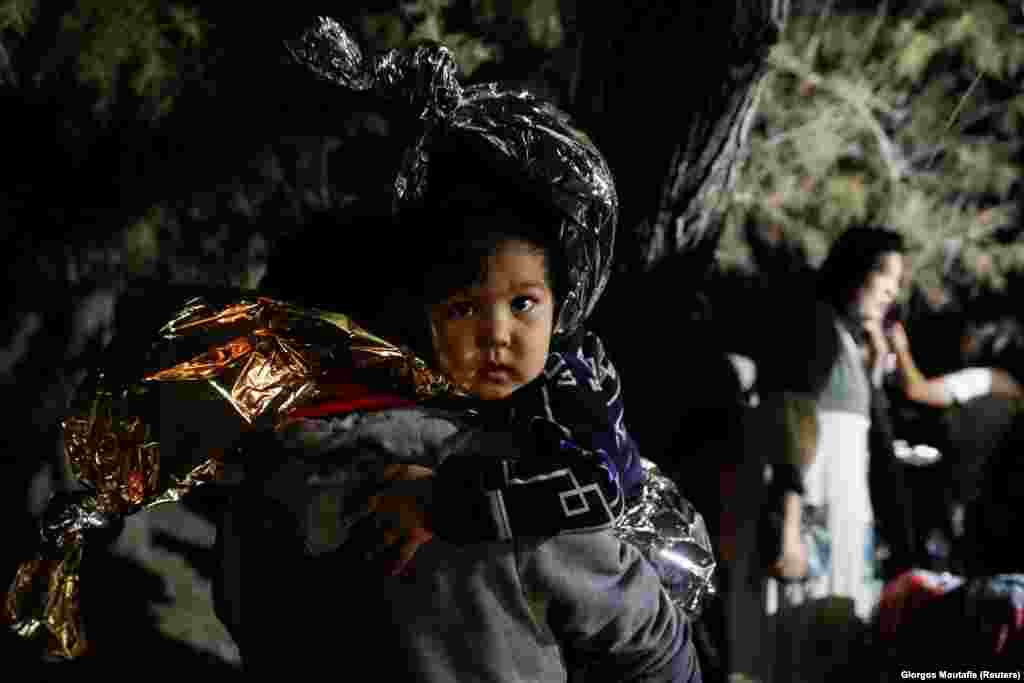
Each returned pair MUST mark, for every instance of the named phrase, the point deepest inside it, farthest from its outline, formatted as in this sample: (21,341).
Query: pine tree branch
(841,89)
(956,113)
(928,155)
(8,77)
(824,14)
(876,26)
(797,131)
(983,114)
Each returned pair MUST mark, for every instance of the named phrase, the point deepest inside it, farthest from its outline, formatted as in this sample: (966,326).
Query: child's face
(494,337)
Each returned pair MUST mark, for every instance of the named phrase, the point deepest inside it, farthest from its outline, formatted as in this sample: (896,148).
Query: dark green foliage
(907,114)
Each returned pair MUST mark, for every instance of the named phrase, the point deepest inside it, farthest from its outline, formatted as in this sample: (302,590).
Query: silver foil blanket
(528,140)
(673,537)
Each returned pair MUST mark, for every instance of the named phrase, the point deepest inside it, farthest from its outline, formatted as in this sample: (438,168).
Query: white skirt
(779,631)
(837,481)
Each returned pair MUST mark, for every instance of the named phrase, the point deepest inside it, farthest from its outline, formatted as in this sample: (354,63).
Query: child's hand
(401,513)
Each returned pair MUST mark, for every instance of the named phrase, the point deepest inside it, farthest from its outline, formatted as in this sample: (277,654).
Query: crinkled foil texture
(518,134)
(264,357)
(275,356)
(673,537)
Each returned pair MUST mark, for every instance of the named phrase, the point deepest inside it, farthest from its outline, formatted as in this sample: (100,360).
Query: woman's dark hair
(853,257)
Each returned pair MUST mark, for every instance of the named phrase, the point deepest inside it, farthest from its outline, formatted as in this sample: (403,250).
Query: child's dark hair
(385,271)
(457,254)
(469,209)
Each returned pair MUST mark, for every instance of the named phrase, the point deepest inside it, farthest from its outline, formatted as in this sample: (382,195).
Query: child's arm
(494,485)
(568,465)
(505,484)
(539,479)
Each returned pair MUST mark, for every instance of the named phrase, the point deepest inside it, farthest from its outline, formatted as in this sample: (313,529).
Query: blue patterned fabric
(573,473)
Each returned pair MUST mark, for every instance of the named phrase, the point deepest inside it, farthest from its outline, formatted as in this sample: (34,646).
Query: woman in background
(814,433)
(860,280)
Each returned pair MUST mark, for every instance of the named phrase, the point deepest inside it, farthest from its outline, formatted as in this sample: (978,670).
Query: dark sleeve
(585,396)
(787,477)
(891,497)
(500,485)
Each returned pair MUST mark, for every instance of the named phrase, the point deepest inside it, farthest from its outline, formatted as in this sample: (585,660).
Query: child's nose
(495,330)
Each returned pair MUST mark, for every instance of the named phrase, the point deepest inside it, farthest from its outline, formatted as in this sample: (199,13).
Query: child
(498,268)
(490,301)
(513,210)
(499,594)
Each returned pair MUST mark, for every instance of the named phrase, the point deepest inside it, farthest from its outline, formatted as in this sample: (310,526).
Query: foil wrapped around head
(673,537)
(531,144)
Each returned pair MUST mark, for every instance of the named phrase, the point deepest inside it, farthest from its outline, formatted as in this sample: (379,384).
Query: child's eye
(523,304)
(460,309)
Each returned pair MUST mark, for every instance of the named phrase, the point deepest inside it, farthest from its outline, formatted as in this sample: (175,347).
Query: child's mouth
(494,372)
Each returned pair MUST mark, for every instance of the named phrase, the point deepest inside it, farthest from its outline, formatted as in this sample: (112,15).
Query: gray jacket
(532,609)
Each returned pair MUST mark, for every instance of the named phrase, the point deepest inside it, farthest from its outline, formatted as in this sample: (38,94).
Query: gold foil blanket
(264,357)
